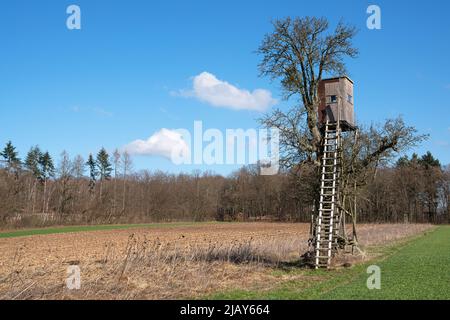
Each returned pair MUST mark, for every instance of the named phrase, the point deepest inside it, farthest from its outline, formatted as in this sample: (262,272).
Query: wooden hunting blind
(335,116)
(336,102)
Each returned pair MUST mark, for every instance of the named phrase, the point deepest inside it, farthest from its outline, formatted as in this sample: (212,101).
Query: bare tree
(127,166)
(117,163)
(299,52)
(65,173)
(79,167)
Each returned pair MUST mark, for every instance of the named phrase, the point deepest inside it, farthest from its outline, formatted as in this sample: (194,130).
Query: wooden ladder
(328,218)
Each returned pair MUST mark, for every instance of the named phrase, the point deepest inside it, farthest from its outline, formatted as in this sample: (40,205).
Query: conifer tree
(104,167)
(47,168)
(32,165)
(32,162)
(93,173)
(429,161)
(10,156)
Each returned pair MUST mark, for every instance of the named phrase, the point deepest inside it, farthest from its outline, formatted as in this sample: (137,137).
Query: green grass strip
(58,230)
(417,269)
(420,270)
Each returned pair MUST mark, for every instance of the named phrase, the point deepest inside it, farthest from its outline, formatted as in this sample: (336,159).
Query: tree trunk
(44,195)
(124,193)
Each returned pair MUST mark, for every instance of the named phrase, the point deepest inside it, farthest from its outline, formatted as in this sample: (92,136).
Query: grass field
(416,269)
(57,230)
(213,260)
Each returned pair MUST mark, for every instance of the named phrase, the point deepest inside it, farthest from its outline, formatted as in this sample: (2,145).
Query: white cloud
(165,143)
(209,89)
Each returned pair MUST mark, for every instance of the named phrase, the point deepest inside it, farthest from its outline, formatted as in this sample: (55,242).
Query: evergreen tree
(47,171)
(32,162)
(47,166)
(429,161)
(403,161)
(92,165)
(104,165)
(406,162)
(104,168)
(10,156)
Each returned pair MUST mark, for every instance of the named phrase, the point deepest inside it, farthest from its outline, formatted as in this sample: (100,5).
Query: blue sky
(123,76)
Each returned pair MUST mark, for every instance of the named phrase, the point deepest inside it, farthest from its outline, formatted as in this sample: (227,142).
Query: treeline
(416,189)
(104,188)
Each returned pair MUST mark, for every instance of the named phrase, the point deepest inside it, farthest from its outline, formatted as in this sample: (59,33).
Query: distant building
(336,102)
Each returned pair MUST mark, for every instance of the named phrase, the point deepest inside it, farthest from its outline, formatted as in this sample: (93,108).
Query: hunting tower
(336,102)
(335,115)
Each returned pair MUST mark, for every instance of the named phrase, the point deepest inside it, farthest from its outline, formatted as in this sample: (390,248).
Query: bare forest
(104,188)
